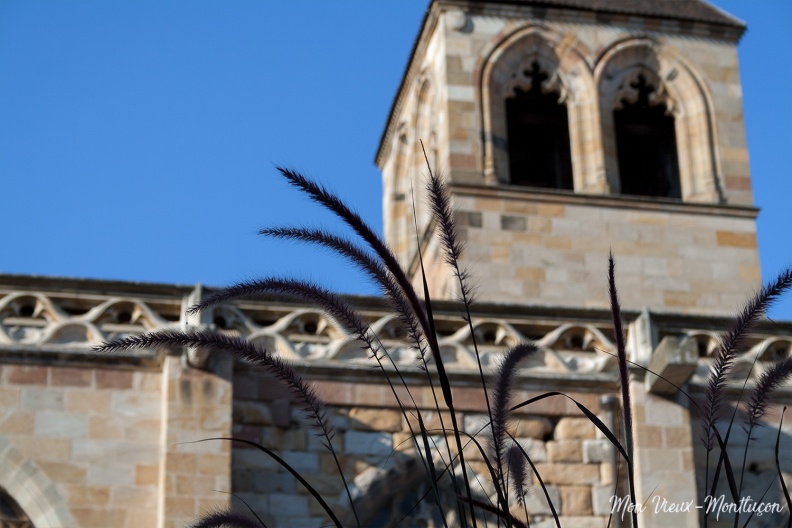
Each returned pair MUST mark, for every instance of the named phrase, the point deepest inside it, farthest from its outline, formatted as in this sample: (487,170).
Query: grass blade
(732,342)
(240,499)
(778,468)
(496,511)
(624,376)
(541,482)
(364,261)
(621,352)
(285,465)
(445,383)
(227,519)
(590,415)
(331,202)
(501,394)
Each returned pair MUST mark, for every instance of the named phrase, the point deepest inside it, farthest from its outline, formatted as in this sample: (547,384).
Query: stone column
(664,468)
(196,405)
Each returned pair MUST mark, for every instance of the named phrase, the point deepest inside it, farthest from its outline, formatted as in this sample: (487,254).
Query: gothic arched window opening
(538,134)
(646,144)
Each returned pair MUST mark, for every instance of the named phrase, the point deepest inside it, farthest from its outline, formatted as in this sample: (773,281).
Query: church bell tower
(569,128)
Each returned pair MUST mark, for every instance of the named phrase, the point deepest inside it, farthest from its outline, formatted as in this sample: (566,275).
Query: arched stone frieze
(773,349)
(706,342)
(563,58)
(36,319)
(676,86)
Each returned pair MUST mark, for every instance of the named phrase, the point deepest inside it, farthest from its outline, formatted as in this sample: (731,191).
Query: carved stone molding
(628,90)
(523,80)
(572,343)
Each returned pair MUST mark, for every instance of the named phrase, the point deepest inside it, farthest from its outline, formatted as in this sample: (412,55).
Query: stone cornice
(41,322)
(513,192)
(731,29)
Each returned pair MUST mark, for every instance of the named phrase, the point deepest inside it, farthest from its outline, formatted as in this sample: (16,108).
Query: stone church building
(565,129)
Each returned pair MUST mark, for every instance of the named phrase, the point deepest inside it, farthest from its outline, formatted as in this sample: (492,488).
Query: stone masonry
(90,441)
(140,438)
(374,441)
(697,255)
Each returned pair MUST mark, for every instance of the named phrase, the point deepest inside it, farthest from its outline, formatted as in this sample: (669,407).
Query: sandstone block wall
(89,436)
(523,248)
(378,456)
(97,447)
(664,467)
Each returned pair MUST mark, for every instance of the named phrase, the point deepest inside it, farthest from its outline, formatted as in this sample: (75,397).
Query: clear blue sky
(137,138)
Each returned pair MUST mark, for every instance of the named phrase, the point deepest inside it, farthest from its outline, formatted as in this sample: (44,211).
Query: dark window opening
(646,146)
(11,515)
(538,134)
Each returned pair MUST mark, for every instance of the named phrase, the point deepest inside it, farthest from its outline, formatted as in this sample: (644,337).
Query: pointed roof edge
(399,90)
(682,10)
(737,22)
(716,16)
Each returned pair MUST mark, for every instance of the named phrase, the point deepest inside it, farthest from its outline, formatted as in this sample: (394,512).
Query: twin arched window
(634,119)
(539,141)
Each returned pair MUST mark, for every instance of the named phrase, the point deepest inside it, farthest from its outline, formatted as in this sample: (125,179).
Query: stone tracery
(567,74)
(678,89)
